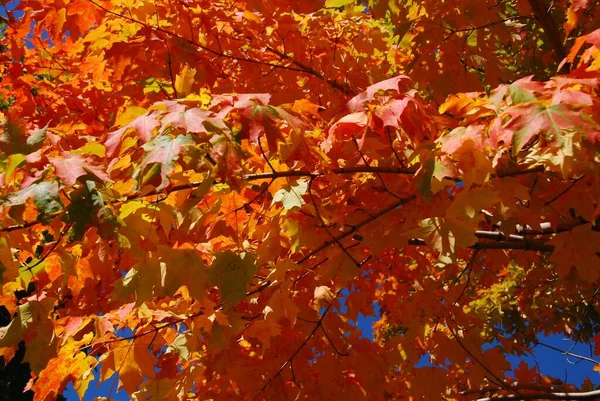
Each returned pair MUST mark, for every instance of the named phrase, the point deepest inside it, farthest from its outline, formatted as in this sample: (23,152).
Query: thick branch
(540,10)
(589,395)
(524,245)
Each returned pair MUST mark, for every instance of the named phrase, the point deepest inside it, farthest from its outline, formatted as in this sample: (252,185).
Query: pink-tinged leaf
(530,124)
(562,81)
(246,102)
(499,136)
(162,151)
(392,111)
(413,118)
(593,38)
(527,121)
(259,119)
(251,99)
(191,120)
(144,128)
(452,142)
(227,154)
(350,123)
(530,84)
(70,167)
(574,97)
(113,139)
(357,102)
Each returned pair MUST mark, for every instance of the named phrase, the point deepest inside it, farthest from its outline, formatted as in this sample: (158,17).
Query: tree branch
(548,24)
(506,245)
(589,395)
(568,353)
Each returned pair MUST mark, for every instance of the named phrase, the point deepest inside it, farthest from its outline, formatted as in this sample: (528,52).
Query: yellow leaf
(14,161)
(184,81)
(338,3)
(305,106)
(252,17)
(92,148)
(133,361)
(8,264)
(128,115)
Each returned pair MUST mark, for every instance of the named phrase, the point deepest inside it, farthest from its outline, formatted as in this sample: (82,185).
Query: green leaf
(520,95)
(292,197)
(44,195)
(37,138)
(424,180)
(88,208)
(161,154)
(182,267)
(179,346)
(231,273)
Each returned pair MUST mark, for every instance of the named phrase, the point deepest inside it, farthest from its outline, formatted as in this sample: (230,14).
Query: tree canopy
(204,196)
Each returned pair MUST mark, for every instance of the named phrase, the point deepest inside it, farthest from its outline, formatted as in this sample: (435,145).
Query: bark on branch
(589,395)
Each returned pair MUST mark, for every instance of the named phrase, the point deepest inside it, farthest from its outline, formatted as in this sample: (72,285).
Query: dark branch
(589,395)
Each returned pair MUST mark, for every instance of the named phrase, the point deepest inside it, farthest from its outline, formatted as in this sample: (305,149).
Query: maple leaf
(134,361)
(231,273)
(183,266)
(525,374)
(576,8)
(44,195)
(577,249)
(71,365)
(184,81)
(13,139)
(292,197)
(70,167)
(143,125)
(395,84)
(88,207)
(159,161)
(191,120)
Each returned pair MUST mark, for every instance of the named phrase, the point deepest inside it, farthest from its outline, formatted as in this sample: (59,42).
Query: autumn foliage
(199,199)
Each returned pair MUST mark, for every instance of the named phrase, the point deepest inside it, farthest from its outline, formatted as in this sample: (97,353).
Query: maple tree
(203,196)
